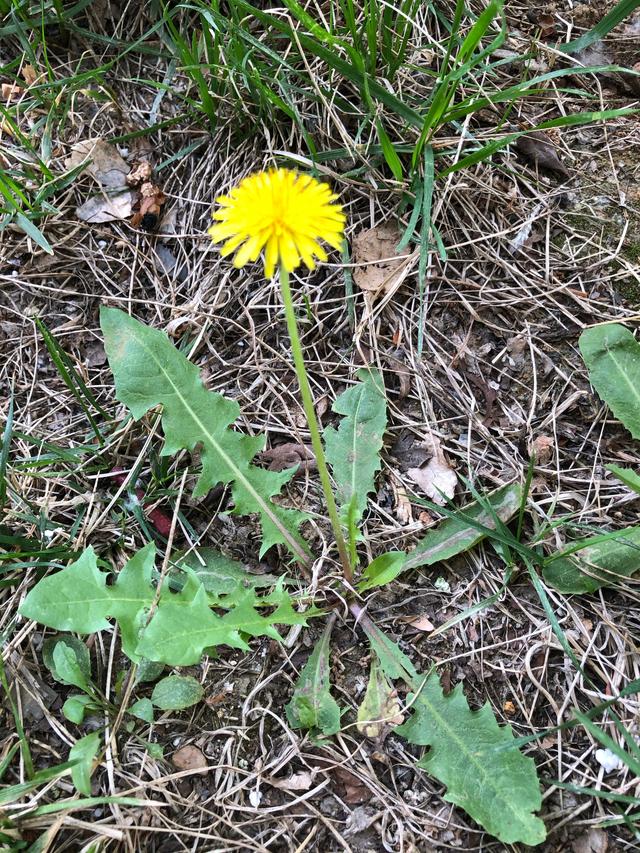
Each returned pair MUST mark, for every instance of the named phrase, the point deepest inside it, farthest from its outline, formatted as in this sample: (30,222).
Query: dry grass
(500,369)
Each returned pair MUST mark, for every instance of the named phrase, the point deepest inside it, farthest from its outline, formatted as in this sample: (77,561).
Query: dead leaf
(349,787)
(150,207)
(287,455)
(401,503)
(140,173)
(106,167)
(190,758)
(102,208)
(360,819)
(29,74)
(539,150)
(94,355)
(436,479)
(375,250)
(594,840)
(420,623)
(542,447)
(11,91)
(301,781)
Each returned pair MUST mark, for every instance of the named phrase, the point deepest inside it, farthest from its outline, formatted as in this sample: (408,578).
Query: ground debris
(189,757)
(436,479)
(539,150)
(288,455)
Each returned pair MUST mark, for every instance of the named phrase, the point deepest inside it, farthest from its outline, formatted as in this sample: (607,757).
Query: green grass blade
(4,451)
(425,232)
(24,743)
(620,11)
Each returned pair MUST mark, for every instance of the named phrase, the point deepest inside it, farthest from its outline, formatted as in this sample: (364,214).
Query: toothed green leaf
(149,371)
(221,575)
(497,786)
(353,450)
(77,603)
(182,624)
(312,706)
(183,627)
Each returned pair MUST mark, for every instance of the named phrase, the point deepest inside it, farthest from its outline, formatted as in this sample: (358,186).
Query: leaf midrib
(238,473)
(453,735)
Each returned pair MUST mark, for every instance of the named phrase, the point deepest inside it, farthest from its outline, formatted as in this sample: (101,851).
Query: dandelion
(282,213)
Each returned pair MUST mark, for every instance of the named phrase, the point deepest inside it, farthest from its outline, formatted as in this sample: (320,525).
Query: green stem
(314,429)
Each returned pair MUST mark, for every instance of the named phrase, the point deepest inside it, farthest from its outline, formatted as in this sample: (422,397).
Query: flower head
(281,212)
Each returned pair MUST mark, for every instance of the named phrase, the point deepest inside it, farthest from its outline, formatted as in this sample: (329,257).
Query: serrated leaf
(455,535)
(382,570)
(149,371)
(76,707)
(176,692)
(312,706)
(626,476)
(598,563)
(353,450)
(78,602)
(220,575)
(183,626)
(497,787)
(78,599)
(612,356)
(380,705)
(82,656)
(84,751)
(394,662)
(143,710)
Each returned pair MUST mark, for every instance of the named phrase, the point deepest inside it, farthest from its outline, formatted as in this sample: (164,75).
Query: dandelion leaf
(353,449)
(149,371)
(599,562)
(496,785)
(612,356)
(312,706)
(173,628)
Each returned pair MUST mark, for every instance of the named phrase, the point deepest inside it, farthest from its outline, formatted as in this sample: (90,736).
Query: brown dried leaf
(301,781)
(140,172)
(436,479)
(106,208)
(594,840)
(539,150)
(349,787)
(10,91)
(542,446)
(375,249)
(151,200)
(401,503)
(420,623)
(287,455)
(190,758)
(107,166)
(29,74)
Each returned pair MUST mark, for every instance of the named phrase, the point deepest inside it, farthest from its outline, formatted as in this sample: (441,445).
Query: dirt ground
(534,256)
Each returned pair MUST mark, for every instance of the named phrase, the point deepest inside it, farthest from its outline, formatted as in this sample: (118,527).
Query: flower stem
(314,429)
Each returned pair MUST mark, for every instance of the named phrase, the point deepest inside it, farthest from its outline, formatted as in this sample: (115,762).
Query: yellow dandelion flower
(281,212)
